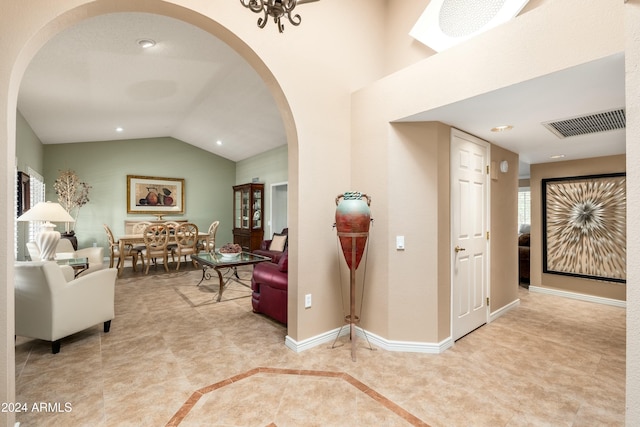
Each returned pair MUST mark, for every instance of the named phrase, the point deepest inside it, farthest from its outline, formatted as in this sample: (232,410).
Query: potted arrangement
(72,195)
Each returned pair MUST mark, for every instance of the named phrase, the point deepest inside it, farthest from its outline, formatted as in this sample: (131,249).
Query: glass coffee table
(219,262)
(78,264)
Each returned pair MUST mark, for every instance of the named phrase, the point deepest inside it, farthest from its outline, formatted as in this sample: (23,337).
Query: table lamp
(47,239)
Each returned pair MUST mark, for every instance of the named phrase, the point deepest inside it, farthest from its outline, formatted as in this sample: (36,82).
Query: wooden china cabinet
(248,218)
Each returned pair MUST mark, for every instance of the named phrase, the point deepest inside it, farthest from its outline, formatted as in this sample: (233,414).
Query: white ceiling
(589,88)
(94,77)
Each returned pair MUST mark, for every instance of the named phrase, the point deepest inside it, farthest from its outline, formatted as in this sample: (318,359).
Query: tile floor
(175,358)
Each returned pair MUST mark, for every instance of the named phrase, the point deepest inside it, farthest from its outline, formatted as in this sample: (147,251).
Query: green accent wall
(270,167)
(29,154)
(105,165)
(29,150)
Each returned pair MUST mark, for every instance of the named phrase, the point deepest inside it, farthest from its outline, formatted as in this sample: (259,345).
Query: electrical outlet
(307,301)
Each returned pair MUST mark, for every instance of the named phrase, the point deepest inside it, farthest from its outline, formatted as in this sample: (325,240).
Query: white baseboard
(503,310)
(390,345)
(578,296)
(303,345)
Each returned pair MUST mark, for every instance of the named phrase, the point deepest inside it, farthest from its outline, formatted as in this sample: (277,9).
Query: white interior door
(469,232)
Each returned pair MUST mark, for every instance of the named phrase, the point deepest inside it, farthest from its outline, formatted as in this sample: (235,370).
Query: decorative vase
(353,218)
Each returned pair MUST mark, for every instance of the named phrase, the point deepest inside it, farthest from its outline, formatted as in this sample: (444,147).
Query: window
(36,188)
(524,206)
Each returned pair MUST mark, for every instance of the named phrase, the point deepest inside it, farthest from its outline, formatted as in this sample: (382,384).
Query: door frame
(274,206)
(487,145)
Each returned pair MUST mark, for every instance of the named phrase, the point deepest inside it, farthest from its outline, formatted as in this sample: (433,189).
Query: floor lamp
(47,239)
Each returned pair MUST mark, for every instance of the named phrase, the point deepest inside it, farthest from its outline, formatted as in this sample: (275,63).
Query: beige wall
(632,84)
(504,230)
(378,150)
(401,49)
(539,172)
(311,81)
(339,62)
(413,287)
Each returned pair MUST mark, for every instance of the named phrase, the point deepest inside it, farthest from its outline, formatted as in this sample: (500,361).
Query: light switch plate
(400,243)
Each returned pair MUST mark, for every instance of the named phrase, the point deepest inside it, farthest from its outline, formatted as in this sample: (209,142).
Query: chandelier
(276,9)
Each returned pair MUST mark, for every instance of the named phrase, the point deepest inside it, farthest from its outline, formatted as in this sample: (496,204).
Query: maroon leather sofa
(270,287)
(264,248)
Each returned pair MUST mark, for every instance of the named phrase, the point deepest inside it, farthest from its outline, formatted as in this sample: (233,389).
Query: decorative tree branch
(72,193)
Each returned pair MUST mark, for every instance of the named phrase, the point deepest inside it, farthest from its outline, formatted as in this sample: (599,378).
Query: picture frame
(584,226)
(155,195)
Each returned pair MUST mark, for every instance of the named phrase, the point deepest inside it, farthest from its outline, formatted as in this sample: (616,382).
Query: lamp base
(47,241)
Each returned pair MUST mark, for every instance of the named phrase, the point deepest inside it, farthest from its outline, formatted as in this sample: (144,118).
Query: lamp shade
(46,211)
(47,239)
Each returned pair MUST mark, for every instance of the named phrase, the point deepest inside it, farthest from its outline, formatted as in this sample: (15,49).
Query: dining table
(135,239)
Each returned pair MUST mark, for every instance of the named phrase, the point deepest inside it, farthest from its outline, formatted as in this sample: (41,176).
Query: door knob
(458,249)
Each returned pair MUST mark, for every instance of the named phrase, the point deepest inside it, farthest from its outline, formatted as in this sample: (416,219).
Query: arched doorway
(65,17)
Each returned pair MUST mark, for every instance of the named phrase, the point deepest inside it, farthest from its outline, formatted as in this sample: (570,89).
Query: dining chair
(209,243)
(171,245)
(114,250)
(138,228)
(156,238)
(186,238)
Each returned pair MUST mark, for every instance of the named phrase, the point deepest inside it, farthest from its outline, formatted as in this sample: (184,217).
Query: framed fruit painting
(155,195)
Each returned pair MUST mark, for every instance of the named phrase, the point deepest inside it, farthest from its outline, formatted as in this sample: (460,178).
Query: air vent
(593,123)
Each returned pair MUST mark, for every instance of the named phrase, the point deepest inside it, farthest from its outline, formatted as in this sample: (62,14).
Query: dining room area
(154,242)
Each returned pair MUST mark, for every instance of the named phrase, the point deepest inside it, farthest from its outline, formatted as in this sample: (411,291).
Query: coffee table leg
(221,284)
(204,274)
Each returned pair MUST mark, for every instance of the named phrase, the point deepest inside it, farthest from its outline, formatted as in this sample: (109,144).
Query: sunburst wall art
(584,226)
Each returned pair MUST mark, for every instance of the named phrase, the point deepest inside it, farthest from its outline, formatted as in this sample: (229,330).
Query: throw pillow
(278,242)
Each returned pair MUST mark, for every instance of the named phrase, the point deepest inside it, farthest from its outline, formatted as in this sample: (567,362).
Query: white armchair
(48,307)
(65,250)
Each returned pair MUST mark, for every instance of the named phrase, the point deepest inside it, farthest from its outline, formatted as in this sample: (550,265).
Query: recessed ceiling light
(218,142)
(557,156)
(119,129)
(146,43)
(501,128)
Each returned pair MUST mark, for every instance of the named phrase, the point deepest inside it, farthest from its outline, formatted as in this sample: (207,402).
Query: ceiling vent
(592,123)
